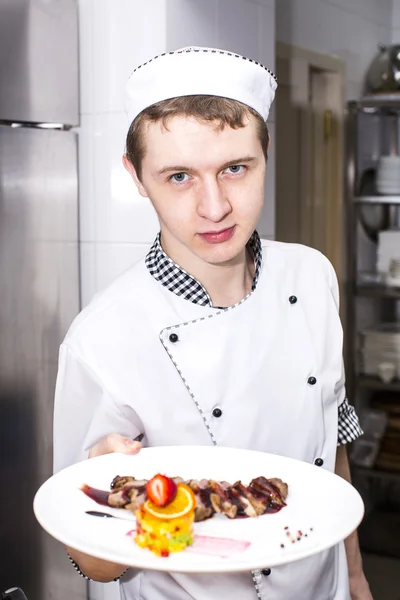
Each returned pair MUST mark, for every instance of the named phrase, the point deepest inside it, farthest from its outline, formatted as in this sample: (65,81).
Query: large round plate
(322,509)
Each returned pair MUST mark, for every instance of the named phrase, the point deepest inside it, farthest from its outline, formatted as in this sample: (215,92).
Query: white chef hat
(200,71)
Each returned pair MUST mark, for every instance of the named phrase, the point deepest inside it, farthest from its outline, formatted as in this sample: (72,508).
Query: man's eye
(179,177)
(235,169)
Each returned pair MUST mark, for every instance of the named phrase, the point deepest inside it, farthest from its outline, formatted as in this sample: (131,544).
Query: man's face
(206,185)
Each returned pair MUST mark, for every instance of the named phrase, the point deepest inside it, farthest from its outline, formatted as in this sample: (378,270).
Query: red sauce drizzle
(99,496)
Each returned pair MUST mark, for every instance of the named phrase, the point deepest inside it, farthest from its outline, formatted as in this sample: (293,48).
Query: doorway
(309,150)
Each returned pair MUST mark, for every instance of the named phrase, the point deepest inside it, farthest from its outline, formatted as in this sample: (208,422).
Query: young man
(216,337)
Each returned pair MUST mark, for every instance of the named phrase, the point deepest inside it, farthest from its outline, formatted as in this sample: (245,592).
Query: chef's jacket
(265,374)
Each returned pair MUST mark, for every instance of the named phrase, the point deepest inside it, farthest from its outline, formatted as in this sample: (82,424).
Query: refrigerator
(39,274)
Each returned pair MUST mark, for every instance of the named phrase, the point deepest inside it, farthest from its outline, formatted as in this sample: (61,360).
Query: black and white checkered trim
(181,283)
(206,50)
(348,426)
(173,277)
(256,582)
(77,569)
(184,380)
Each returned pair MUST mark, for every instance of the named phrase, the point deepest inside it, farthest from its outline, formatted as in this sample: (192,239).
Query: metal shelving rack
(361,289)
(357,287)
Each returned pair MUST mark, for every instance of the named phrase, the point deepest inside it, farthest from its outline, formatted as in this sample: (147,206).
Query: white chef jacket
(140,359)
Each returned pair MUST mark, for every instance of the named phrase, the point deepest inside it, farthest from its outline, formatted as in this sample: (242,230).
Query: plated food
(222,542)
(166,507)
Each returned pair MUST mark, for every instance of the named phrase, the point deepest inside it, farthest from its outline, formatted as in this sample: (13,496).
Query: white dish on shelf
(388,175)
(388,189)
(392,281)
(387,371)
(381,345)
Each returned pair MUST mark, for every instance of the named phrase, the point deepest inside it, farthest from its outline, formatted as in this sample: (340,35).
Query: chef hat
(200,71)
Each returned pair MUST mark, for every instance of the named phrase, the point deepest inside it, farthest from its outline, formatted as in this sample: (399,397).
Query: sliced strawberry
(161,490)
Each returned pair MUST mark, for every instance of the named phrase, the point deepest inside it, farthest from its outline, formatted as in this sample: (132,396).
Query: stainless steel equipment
(13,594)
(39,274)
(383,75)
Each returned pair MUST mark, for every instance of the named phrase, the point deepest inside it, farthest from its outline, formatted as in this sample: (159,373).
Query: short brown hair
(204,108)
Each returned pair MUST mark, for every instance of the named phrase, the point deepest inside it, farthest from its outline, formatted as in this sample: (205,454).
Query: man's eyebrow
(187,168)
(175,168)
(238,161)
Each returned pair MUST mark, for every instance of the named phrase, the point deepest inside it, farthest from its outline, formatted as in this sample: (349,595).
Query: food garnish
(161,490)
(181,505)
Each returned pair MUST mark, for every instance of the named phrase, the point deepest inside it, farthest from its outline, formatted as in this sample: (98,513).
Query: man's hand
(94,568)
(115,443)
(359,588)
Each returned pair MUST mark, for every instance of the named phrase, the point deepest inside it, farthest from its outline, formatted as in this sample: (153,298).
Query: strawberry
(161,490)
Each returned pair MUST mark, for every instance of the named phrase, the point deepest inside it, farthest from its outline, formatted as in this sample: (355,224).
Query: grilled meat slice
(281,486)
(178,480)
(221,500)
(238,495)
(119,482)
(202,513)
(130,495)
(255,505)
(262,486)
(137,499)
(204,509)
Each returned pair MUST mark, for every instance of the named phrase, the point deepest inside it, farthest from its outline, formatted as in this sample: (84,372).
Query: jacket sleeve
(84,412)
(349,428)
(340,387)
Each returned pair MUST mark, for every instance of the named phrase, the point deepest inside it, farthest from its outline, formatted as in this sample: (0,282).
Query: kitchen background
(116,224)
(76,249)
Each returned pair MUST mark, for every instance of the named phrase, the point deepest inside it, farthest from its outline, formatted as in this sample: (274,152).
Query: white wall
(117,225)
(350,29)
(396,22)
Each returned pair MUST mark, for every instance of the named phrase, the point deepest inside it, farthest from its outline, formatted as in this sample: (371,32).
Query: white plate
(320,505)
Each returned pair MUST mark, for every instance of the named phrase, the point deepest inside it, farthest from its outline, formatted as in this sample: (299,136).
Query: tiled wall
(117,225)
(350,29)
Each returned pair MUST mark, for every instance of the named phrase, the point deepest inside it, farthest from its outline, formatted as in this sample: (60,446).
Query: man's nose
(213,203)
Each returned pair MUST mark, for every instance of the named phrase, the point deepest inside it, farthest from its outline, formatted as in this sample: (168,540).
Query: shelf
(379,199)
(387,100)
(377,290)
(374,383)
(375,473)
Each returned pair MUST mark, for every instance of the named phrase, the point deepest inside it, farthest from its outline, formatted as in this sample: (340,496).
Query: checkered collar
(176,280)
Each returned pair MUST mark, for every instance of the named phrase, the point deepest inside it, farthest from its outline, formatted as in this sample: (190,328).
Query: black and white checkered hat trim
(181,283)
(348,425)
(205,50)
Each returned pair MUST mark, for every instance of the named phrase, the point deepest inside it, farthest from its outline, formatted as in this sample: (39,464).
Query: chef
(217,337)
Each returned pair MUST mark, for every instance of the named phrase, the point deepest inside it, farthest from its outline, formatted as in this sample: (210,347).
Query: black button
(292,299)
(312,381)
(318,462)
(173,338)
(217,412)
(266,572)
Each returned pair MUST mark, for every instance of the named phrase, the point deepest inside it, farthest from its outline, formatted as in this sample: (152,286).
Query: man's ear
(132,172)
